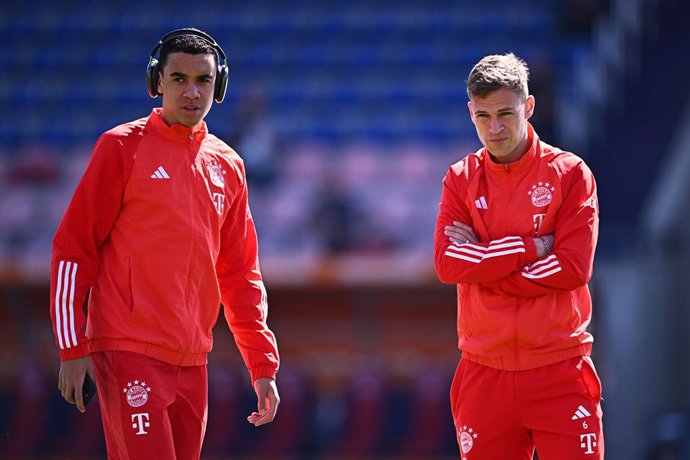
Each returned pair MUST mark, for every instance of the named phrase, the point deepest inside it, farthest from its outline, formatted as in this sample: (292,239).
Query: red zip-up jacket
(158,232)
(517,311)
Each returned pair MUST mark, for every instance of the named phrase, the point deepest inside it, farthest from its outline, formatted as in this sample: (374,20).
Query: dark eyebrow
(182,75)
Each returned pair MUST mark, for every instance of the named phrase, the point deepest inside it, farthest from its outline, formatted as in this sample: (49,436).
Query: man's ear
(159,87)
(469,107)
(529,107)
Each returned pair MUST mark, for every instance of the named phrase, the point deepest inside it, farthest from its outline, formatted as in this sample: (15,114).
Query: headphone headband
(197,33)
(221,75)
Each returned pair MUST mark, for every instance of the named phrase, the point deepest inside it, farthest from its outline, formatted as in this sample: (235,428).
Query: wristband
(547,249)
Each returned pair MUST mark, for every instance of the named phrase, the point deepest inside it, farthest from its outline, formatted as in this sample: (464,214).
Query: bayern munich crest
(215,172)
(137,393)
(467,439)
(541,194)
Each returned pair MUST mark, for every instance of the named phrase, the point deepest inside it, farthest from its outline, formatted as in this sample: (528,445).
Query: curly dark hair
(189,44)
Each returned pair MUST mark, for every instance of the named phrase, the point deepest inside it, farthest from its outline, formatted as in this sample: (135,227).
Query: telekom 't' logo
(139,424)
(218,200)
(588,442)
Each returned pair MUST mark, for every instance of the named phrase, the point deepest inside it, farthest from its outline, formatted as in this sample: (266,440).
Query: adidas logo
(160,173)
(481,203)
(581,412)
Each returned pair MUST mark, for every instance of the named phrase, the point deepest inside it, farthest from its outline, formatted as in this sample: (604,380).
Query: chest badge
(541,194)
(216,173)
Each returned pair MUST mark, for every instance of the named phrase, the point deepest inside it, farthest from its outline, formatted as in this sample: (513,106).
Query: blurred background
(348,114)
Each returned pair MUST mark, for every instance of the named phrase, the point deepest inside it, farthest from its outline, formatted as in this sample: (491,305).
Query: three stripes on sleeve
(476,253)
(503,247)
(64,304)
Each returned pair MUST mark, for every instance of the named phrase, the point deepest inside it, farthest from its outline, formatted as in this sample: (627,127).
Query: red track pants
(504,415)
(151,409)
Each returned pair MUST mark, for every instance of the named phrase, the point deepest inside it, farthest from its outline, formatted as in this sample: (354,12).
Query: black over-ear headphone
(152,69)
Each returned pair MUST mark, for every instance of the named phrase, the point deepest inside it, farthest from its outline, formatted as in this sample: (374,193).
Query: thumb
(79,396)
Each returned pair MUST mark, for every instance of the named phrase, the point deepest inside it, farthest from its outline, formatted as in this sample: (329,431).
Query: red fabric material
(506,414)
(151,409)
(159,232)
(516,311)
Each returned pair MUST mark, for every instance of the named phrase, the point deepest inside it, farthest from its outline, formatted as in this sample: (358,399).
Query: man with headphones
(157,235)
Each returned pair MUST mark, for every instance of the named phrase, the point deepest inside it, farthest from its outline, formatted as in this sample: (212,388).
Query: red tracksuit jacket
(158,231)
(516,311)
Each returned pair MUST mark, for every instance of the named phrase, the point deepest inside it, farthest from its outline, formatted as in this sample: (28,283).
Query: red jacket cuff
(530,250)
(260,372)
(79,351)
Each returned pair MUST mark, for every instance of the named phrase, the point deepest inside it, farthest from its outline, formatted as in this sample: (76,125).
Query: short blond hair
(498,71)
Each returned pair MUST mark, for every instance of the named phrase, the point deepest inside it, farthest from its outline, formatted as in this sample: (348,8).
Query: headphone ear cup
(152,77)
(221,83)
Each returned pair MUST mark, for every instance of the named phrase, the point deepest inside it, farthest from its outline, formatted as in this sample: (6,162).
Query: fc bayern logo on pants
(137,393)
(467,438)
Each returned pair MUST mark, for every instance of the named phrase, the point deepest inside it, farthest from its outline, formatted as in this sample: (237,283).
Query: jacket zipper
(193,244)
(517,325)
(506,168)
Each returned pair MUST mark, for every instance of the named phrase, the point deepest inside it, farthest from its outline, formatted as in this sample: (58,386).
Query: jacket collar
(176,132)
(521,165)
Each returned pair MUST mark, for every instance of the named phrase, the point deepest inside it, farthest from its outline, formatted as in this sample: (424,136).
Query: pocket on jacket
(590,378)
(464,306)
(130,282)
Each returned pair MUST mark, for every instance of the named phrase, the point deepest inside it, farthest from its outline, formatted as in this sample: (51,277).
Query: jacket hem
(152,351)
(529,361)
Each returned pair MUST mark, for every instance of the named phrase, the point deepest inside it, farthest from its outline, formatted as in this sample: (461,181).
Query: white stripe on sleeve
(58,315)
(475,253)
(71,304)
(542,268)
(63,304)
(541,275)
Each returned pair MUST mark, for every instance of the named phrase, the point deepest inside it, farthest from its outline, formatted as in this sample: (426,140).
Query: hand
(268,400)
(540,246)
(460,233)
(71,380)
